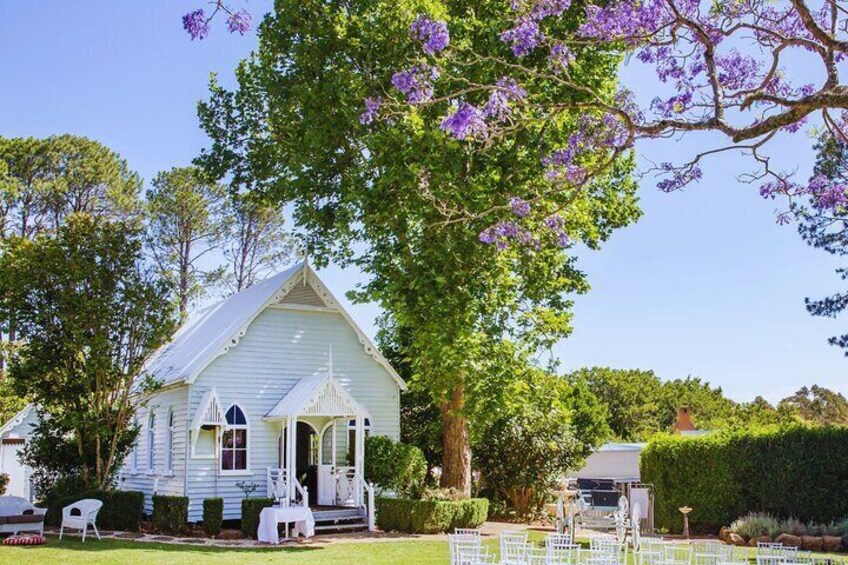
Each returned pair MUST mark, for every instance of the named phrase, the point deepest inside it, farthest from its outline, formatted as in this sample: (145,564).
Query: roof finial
(305,267)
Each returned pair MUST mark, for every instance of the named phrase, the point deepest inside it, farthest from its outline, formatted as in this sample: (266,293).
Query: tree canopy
(88,315)
(374,197)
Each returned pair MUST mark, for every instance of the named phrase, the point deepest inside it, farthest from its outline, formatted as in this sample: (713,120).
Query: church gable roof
(217,328)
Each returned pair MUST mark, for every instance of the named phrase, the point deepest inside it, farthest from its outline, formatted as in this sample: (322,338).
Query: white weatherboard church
(274,383)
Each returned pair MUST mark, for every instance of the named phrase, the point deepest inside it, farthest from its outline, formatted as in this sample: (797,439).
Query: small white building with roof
(271,390)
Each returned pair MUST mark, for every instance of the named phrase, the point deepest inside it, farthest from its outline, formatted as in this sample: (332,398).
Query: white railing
(346,491)
(277,487)
(367,493)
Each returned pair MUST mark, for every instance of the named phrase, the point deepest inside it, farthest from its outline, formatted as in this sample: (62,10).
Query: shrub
(250,510)
(791,471)
(443,494)
(527,449)
(4,483)
(756,524)
(394,466)
(170,513)
(121,511)
(430,516)
(793,526)
(213,515)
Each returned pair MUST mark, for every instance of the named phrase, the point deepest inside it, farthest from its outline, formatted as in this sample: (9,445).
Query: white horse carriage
(586,509)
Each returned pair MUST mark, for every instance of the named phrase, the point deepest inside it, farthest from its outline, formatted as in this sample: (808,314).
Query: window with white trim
(351,439)
(169,445)
(234,441)
(134,458)
(151,441)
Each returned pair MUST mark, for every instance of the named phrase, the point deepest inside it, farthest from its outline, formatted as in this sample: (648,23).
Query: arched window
(234,441)
(351,439)
(151,441)
(169,446)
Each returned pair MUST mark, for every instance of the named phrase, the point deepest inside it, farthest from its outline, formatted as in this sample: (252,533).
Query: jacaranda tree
(405,202)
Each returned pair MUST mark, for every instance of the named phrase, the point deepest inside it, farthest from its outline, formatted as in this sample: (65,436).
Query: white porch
(310,417)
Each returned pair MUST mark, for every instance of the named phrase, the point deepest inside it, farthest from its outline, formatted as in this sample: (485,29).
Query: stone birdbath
(685,510)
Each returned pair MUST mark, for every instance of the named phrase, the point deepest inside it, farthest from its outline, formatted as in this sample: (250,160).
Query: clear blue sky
(705,284)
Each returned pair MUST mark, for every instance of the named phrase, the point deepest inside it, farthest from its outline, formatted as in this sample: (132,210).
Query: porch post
(290,455)
(359,467)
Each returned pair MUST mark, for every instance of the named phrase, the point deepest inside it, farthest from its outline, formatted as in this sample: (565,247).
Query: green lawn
(114,552)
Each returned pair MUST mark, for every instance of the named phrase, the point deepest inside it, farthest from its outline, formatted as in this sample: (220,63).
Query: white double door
(327,466)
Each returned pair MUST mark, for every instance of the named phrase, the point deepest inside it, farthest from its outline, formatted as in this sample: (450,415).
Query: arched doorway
(306,457)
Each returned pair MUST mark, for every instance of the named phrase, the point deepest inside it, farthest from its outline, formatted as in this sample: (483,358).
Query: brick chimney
(684,423)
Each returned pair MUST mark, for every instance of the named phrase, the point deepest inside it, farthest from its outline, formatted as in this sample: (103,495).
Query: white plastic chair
(464,548)
(80,515)
(514,552)
(677,554)
(650,551)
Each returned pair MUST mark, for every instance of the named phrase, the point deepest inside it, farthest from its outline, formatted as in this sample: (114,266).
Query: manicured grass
(114,552)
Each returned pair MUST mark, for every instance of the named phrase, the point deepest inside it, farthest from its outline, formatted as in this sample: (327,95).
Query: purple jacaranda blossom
(416,82)
(827,194)
(519,206)
(434,34)
(524,37)
(560,57)
(674,105)
(240,22)
(466,122)
(505,231)
(737,71)
(506,91)
(372,109)
(679,177)
(196,25)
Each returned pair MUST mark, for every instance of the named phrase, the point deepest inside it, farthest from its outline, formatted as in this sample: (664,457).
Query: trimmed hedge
(121,510)
(430,516)
(213,515)
(250,510)
(795,471)
(170,513)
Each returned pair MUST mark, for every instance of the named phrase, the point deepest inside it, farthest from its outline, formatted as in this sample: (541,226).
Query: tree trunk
(456,448)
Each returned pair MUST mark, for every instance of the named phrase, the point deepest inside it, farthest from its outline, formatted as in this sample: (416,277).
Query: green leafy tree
(395,466)
(256,241)
(89,315)
(634,399)
(46,180)
(817,405)
(184,224)
(550,429)
(383,199)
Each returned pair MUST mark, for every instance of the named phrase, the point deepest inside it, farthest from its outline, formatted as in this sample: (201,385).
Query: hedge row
(430,516)
(121,510)
(250,510)
(213,515)
(796,471)
(170,514)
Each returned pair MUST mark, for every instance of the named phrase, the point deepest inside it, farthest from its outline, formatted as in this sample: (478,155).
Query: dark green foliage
(213,515)
(250,510)
(639,404)
(122,509)
(793,471)
(88,314)
(4,482)
(170,513)
(827,228)
(430,516)
(550,429)
(393,465)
